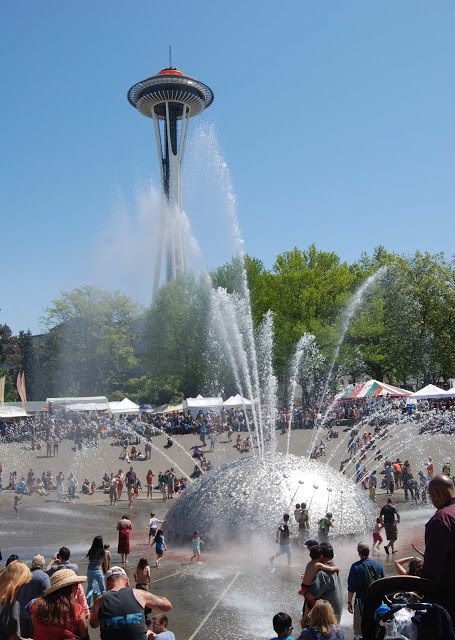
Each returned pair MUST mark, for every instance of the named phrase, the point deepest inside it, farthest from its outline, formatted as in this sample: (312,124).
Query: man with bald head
(439,559)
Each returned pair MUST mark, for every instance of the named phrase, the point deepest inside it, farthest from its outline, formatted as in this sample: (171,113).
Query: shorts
(152,531)
(391,531)
(285,548)
(377,537)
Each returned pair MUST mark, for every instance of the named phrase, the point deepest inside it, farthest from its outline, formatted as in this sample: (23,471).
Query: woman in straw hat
(12,578)
(57,615)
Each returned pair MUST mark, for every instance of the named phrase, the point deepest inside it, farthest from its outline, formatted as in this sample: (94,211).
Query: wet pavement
(232,594)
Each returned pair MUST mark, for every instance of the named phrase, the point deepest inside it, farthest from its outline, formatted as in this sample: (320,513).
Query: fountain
(249,496)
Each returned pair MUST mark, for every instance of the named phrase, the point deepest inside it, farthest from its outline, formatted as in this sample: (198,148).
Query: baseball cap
(115,571)
(311,543)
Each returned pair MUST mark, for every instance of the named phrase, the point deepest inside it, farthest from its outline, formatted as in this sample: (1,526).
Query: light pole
(315,488)
(301,482)
(329,491)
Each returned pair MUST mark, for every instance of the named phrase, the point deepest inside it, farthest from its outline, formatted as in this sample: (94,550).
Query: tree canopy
(100,342)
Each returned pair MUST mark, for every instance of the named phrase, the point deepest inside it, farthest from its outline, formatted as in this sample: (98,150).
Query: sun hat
(63,578)
(115,571)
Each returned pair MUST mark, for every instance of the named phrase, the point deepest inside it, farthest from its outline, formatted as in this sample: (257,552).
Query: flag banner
(2,389)
(20,386)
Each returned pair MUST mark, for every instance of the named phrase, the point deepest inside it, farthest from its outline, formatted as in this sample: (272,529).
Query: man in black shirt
(390,518)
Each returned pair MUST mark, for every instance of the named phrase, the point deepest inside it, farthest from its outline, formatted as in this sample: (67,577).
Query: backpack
(371,573)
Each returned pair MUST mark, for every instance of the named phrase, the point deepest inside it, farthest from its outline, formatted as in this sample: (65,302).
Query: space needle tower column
(170,98)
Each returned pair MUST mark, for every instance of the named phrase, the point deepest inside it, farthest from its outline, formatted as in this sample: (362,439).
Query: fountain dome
(250,495)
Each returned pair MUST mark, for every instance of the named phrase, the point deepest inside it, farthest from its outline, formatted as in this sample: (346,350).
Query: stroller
(404,608)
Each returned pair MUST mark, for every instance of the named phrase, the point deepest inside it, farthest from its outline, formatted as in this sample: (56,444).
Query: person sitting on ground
(282,625)
(57,615)
(322,623)
(86,487)
(159,628)
(414,566)
(119,612)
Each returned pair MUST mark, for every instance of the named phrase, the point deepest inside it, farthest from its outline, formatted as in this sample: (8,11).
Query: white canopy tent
(95,403)
(236,402)
(12,412)
(450,393)
(194,405)
(124,406)
(429,392)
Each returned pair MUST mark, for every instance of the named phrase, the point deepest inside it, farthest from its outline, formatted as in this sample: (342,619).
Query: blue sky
(336,120)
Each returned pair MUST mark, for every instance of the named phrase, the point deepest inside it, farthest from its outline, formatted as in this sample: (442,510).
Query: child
(196,542)
(160,546)
(153,526)
(16,505)
(282,625)
(311,570)
(106,565)
(377,538)
(142,574)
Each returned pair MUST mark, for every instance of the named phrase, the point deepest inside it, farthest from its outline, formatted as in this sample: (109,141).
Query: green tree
(419,319)
(11,394)
(308,291)
(93,341)
(10,355)
(174,337)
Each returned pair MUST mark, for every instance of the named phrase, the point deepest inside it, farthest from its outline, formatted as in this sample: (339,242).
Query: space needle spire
(170,98)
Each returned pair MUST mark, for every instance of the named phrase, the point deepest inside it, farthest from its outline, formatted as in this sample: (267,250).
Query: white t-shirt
(153,523)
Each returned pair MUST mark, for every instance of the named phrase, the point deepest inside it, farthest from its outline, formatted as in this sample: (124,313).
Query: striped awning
(374,389)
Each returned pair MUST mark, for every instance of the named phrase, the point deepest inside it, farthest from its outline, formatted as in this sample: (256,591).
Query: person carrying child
(313,567)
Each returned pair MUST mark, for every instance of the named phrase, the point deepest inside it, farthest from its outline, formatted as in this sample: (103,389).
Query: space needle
(170,98)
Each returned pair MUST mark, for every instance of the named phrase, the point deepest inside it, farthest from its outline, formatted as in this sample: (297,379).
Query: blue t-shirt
(159,545)
(66,565)
(34,589)
(357,581)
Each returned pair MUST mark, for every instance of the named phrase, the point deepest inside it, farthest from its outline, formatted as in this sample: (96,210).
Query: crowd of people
(324,594)
(48,600)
